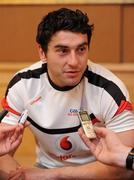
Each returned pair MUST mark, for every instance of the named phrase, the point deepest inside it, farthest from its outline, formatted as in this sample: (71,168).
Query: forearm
(121,156)
(92,171)
(7,164)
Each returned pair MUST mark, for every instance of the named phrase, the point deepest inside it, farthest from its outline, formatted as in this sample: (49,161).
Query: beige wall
(112,38)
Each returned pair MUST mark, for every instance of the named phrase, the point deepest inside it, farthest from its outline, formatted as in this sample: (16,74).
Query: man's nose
(73,60)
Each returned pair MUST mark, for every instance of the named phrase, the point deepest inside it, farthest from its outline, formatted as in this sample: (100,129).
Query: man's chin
(72,83)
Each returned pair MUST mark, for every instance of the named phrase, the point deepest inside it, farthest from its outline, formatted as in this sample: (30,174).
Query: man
(54,89)
(107,148)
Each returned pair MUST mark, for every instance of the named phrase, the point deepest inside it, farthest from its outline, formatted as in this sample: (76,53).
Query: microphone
(3,114)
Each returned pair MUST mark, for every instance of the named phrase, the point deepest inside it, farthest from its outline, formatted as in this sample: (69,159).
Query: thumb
(101,131)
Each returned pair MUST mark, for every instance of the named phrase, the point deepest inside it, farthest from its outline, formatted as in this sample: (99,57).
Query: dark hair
(62,19)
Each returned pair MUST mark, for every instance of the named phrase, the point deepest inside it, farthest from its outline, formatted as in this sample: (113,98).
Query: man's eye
(81,49)
(64,50)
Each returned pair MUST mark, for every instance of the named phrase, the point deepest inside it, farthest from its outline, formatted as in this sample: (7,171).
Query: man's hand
(10,137)
(107,148)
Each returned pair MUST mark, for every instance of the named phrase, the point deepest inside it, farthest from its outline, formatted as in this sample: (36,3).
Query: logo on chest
(73,112)
(66,144)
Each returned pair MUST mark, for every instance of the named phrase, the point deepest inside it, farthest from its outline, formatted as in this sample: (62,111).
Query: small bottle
(23,117)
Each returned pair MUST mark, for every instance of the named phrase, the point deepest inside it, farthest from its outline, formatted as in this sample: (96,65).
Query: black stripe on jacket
(27,75)
(54,131)
(106,84)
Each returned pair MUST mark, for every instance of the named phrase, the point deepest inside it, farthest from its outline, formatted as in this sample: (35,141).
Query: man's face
(67,57)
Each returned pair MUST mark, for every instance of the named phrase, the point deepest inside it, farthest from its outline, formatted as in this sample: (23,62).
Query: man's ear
(41,53)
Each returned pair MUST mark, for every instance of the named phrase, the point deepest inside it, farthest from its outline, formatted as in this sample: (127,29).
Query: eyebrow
(64,46)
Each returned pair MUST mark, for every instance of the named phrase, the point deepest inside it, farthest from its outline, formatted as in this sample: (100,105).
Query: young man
(108,148)
(54,89)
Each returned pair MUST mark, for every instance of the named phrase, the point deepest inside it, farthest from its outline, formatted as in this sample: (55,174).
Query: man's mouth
(72,73)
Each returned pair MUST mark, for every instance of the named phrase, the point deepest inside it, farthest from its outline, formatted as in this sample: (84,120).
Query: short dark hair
(62,19)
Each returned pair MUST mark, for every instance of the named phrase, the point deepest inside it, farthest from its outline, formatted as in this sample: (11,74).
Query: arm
(11,137)
(88,171)
(94,170)
(7,164)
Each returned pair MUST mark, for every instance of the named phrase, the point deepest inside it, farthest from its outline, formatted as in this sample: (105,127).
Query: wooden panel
(128,47)
(18,31)
(105,45)
(63,1)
